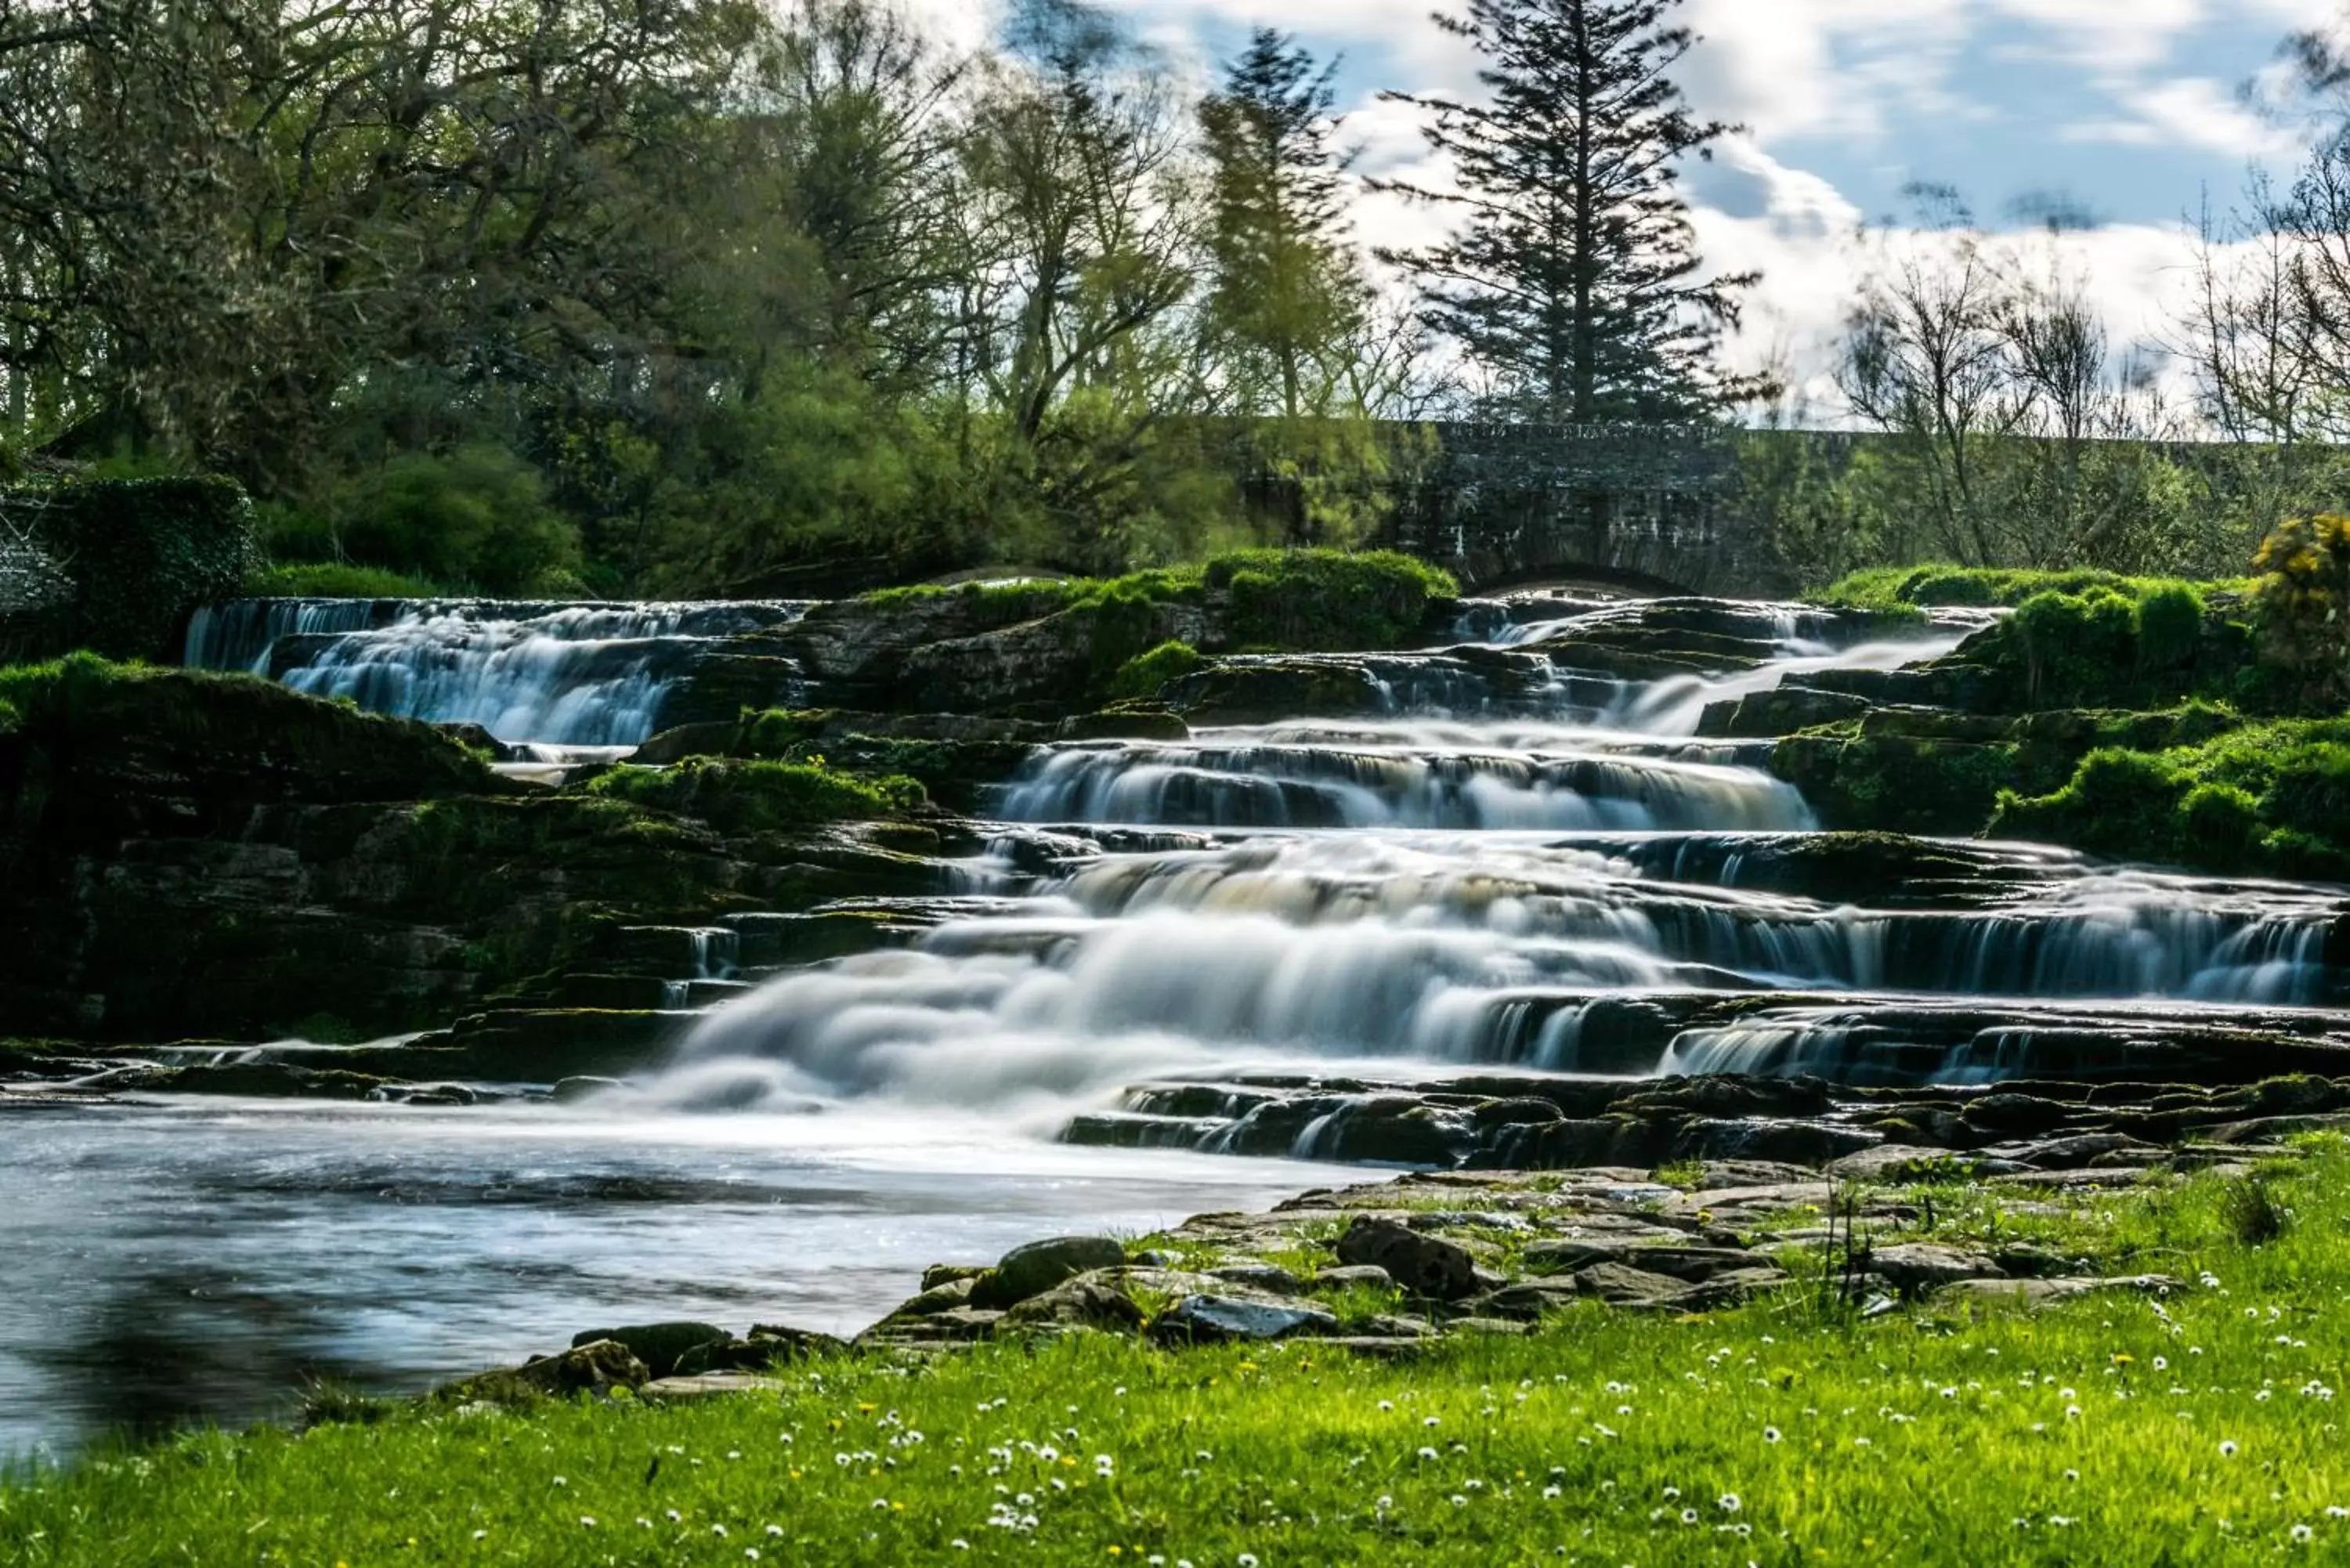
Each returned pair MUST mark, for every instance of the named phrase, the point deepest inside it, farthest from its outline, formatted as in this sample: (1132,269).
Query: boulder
(944,1297)
(1423,1265)
(1621,1286)
(1037,1267)
(594,1367)
(765,1347)
(659,1346)
(1085,1302)
(582,1086)
(1914,1268)
(1216,1320)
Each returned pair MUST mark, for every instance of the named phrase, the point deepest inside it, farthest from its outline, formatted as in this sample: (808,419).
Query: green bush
(331,580)
(1145,675)
(754,796)
(2169,626)
(2302,597)
(477,516)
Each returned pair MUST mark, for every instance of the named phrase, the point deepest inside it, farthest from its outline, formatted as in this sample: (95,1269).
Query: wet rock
(1517,1113)
(2006,1115)
(1212,1319)
(1792,1142)
(1032,1270)
(572,1090)
(1423,1265)
(659,1346)
(1086,1301)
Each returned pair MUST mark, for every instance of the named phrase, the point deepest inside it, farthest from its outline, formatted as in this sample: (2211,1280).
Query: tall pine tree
(1572,279)
(1285,291)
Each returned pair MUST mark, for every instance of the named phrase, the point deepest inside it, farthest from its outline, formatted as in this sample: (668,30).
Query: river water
(1449,874)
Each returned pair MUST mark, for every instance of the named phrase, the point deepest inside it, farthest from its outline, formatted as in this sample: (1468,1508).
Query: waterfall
(565,674)
(1455,882)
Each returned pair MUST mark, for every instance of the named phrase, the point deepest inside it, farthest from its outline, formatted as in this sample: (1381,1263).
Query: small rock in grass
(1425,1266)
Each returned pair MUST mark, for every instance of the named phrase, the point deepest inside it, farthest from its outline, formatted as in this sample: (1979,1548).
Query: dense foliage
(130,559)
(2273,798)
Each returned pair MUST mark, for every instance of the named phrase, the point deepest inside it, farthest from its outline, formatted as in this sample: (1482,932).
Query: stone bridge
(1654,508)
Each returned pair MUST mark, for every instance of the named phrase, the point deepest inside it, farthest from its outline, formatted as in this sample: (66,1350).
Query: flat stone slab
(711,1385)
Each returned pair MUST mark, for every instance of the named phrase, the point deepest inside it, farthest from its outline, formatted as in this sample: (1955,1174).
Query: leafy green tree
(1285,293)
(1574,282)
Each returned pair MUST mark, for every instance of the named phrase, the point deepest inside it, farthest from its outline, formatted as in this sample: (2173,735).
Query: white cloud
(2192,112)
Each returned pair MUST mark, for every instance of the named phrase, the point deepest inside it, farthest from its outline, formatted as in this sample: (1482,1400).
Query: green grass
(2121,1429)
(336,580)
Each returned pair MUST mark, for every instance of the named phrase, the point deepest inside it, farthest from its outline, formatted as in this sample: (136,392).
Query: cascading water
(1591,891)
(568,675)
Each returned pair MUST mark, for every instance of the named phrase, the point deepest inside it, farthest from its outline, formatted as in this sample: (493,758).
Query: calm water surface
(197,1261)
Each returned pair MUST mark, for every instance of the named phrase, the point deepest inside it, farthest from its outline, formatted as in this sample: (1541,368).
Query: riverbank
(2188,1419)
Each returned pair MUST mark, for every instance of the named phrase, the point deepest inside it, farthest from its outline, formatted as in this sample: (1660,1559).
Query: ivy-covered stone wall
(118,566)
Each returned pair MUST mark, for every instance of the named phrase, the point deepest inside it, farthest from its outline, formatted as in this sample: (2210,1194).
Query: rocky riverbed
(1572,906)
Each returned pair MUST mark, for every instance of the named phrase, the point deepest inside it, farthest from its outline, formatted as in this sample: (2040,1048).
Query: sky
(2131,112)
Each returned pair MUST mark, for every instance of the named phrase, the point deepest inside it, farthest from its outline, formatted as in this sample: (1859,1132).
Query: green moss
(758,796)
(2272,796)
(1327,600)
(1145,674)
(1939,584)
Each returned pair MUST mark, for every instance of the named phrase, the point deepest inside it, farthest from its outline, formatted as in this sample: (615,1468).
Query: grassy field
(2201,1426)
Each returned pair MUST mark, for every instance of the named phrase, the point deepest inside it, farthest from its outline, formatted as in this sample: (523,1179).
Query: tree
(2020,436)
(1081,237)
(1285,293)
(1574,281)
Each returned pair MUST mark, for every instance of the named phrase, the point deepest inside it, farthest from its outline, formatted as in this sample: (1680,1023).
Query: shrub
(2169,626)
(1147,674)
(2075,645)
(2301,596)
(478,515)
